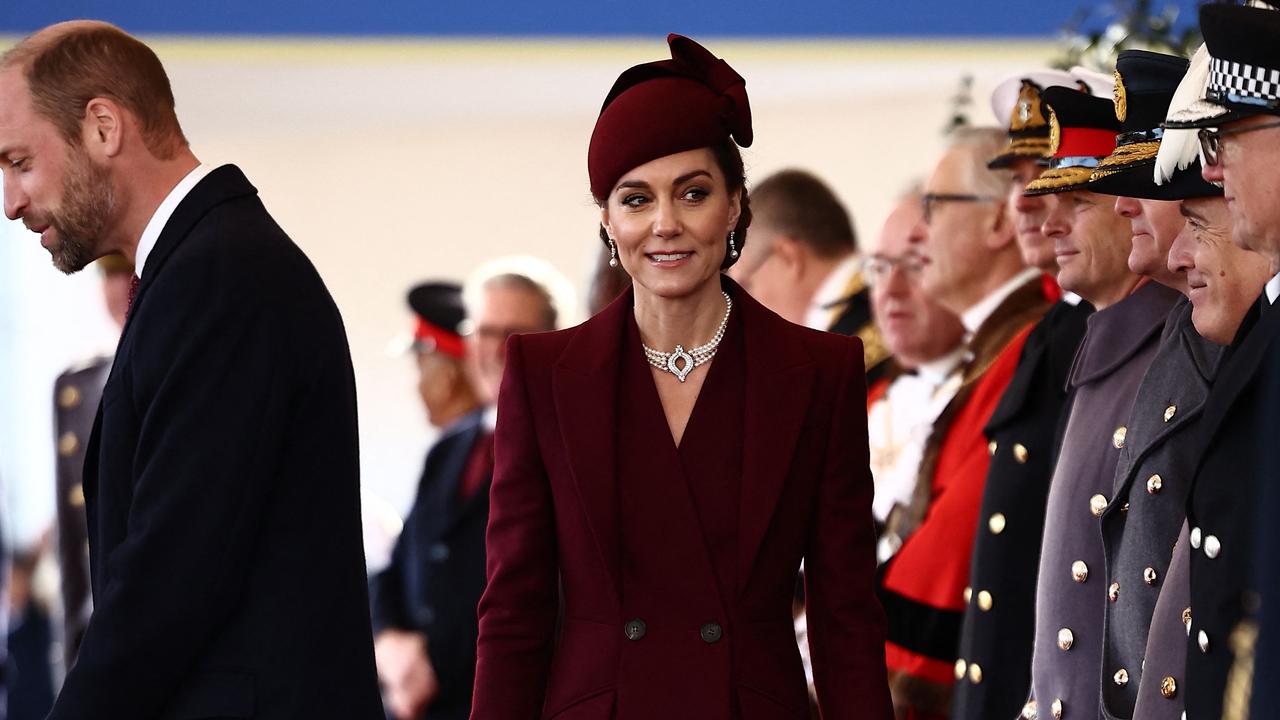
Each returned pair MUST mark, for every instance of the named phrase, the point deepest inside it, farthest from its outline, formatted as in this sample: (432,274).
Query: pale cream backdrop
(392,162)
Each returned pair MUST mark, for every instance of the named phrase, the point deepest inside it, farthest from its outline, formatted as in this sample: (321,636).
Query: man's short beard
(87,202)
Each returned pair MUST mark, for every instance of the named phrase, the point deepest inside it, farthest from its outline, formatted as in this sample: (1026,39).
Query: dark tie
(133,292)
(479,466)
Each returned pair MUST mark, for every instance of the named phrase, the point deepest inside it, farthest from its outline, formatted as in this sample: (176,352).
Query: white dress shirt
(978,314)
(151,233)
(899,424)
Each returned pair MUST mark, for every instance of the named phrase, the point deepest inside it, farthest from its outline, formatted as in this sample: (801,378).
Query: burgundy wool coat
(558,635)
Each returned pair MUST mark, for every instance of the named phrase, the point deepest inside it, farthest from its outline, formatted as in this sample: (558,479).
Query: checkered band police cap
(1243,84)
(1245,45)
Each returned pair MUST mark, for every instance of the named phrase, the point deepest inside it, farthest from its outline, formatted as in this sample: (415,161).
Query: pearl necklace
(681,362)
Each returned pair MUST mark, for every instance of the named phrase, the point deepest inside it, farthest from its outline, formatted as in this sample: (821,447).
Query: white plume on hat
(1180,148)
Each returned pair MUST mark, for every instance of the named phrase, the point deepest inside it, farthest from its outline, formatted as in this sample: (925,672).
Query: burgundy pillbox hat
(691,101)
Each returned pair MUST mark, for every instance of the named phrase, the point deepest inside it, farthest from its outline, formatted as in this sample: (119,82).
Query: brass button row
(1020,453)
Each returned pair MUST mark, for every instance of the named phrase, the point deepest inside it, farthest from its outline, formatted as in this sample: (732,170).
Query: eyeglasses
(930,201)
(877,269)
(1211,139)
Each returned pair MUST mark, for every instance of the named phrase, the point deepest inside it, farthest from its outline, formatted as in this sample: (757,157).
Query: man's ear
(102,129)
(1003,232)
(791,253)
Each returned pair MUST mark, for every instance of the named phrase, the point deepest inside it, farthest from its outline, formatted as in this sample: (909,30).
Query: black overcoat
(1023,433)
(436,575)
(222,487)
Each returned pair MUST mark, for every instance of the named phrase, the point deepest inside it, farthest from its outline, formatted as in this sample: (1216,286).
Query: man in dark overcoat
(1022,433)
(1093,246)
(424,601)
(1238,131)
(221,477)
(1162,445)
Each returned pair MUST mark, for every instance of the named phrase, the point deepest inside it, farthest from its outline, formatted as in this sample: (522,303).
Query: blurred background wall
(407,140)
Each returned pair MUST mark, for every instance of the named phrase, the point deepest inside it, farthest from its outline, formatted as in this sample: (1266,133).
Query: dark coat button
(711,633)
(439,552)
(635,629)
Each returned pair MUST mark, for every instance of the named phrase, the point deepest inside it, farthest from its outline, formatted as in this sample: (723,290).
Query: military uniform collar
(1117,333)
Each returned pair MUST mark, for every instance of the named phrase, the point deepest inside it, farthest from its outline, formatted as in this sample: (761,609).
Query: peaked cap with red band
(661,108)
(440,315)
(1082,131)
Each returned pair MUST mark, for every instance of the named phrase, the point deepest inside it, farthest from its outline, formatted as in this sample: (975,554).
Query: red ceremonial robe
(923,588)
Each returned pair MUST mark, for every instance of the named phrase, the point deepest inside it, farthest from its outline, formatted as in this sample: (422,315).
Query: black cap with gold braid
(1145,84)
(1082,131)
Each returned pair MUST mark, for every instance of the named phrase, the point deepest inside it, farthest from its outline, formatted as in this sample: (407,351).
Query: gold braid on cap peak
(1121,98)
(1126,156)
(1060,180)
(1029,147)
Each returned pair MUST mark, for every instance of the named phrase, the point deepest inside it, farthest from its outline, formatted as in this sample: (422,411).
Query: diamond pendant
(679,355)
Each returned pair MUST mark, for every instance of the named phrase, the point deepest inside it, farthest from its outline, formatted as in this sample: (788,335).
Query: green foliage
(1130,25)
(961,105)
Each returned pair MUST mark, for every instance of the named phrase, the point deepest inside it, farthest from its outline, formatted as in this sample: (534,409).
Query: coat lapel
(1187,384)
(1018,392)
(222,184)
(779,380)
(584,385)
(448,508)
(1238,370)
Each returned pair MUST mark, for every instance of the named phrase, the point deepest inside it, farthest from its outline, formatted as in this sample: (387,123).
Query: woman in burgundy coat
(663,468)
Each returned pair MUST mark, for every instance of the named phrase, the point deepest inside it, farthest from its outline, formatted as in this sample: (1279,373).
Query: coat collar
(1026,304)
(1050,345)
(453,452)
(1182,373)
(1119,332)
(220,185)
(779,377)
(1241,365)
(1206,356)
(1020,308)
